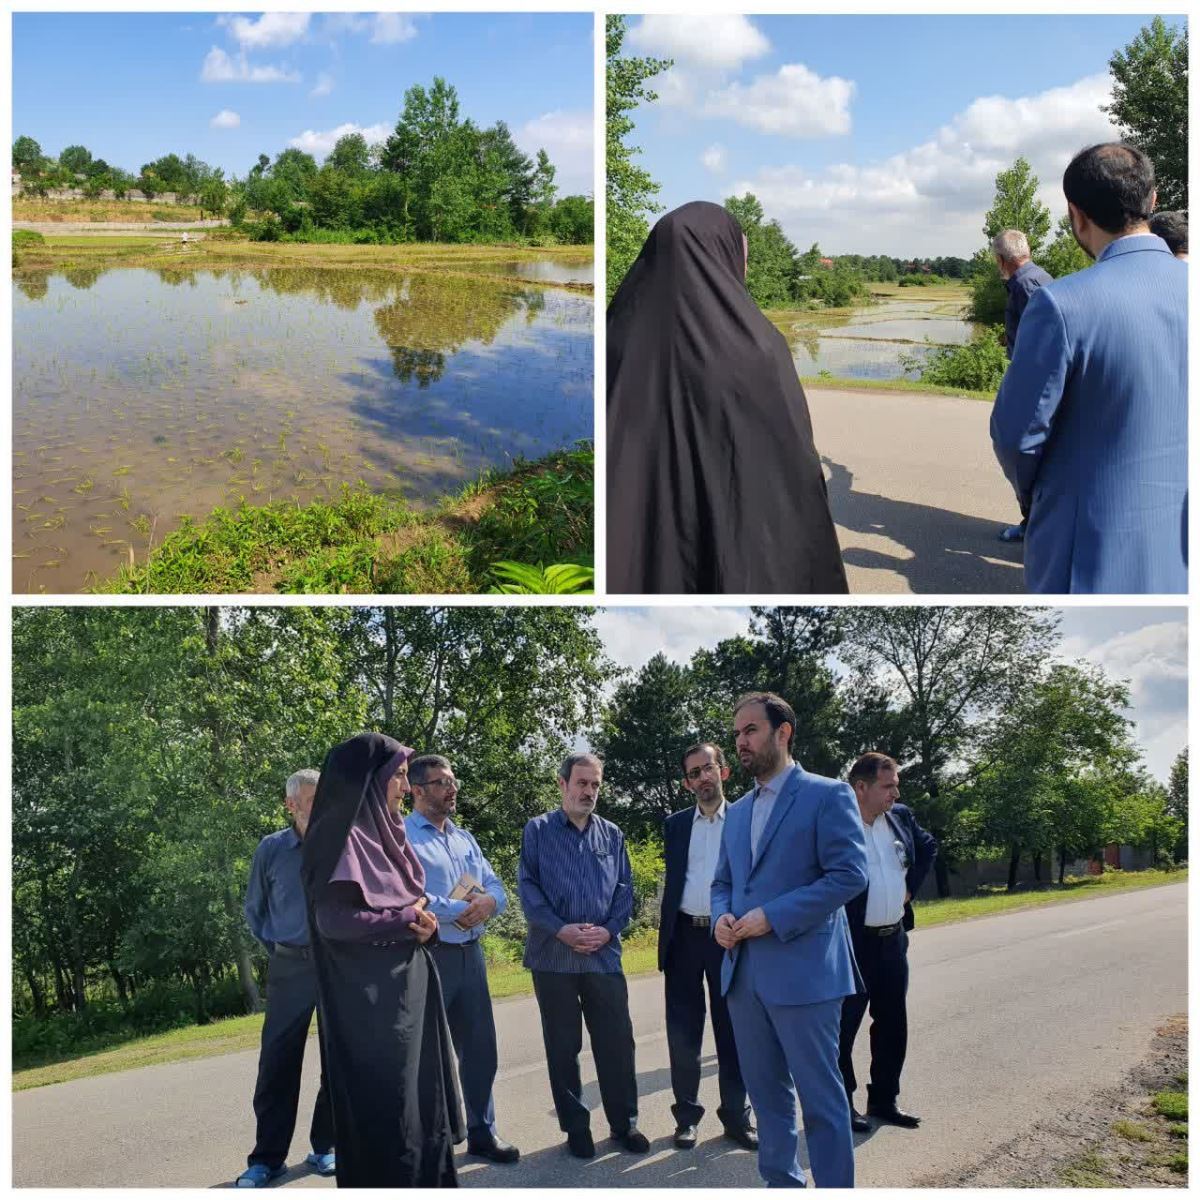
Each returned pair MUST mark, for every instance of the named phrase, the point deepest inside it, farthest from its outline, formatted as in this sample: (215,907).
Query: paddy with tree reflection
(142,395)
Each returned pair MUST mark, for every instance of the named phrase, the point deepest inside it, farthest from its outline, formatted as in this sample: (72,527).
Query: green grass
(1086,1171)
(991,901)
(536,513)
(508,978)
(1172,1105)
(1131,1131)
(846,384)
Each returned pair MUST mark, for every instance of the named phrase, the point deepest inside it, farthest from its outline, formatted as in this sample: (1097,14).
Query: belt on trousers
(286,951)
(884,930)
(689,919)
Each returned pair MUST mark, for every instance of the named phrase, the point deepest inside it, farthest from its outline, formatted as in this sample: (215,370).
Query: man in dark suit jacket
(688,955)
(899,855)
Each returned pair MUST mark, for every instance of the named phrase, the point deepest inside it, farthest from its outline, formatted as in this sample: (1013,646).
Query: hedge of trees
(438,177)
(150,746)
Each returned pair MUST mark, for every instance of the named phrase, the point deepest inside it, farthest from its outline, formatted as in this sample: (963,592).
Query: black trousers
(463,972)
(291,1002)
(883,962)
(692,959)
(566,1002)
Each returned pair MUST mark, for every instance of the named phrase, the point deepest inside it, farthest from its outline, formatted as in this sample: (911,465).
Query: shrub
(978,366)
(26,237)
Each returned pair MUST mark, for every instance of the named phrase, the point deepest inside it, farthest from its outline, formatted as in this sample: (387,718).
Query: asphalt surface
(1011,1018)
(917,495)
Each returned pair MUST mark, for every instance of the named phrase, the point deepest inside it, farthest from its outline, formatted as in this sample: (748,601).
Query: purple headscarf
(378,856)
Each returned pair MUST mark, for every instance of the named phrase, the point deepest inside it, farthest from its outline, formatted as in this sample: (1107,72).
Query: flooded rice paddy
(140,396)
(868,342)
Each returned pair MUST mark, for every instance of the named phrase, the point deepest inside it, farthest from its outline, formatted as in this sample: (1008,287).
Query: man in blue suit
(792,854)
(1090,422)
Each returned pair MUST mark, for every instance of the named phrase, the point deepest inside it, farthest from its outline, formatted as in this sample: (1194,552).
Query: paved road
(916,492)
(1012,1018)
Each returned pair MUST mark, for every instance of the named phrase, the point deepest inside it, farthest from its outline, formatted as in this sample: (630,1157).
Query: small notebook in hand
(467,888)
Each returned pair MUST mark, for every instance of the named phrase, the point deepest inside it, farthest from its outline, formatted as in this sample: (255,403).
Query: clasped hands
(729,931)
(584,939)
(478,909)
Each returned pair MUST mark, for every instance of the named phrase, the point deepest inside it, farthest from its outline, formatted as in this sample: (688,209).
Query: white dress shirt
(885,892)
(702,862)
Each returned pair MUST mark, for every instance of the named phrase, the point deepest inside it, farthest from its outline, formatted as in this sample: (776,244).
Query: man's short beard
(769,757)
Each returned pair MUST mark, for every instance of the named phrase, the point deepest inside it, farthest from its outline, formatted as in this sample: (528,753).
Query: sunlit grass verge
(989,901)
(843,383)
(537,514)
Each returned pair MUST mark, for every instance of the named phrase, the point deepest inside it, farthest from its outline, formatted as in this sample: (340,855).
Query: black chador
(714,483)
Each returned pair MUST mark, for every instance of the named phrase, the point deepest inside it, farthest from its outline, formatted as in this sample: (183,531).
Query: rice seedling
(84,486)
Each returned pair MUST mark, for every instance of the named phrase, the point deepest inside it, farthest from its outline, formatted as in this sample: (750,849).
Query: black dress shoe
(634,1140)
(493,1148)
(580,1144)
(859,1123)
(745,1135)
(893,1116)
(685,1137)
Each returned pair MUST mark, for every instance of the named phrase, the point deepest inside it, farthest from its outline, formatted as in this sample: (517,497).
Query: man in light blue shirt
(452,859)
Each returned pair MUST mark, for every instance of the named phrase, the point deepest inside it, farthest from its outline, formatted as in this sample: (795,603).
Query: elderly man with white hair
(1022,277)
(277,916)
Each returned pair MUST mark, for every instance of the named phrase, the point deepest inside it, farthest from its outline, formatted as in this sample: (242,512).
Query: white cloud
(567,139)
(794,101)
(226,119)
(271,29)
(389,28)
(721,41)
(713,158)
(632,636)
(1150,658)
(324,85)
(219,67)
(931,199)
(319,144)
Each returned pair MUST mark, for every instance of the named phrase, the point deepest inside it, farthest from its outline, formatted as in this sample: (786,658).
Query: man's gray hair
(573,760)
(306,778)
(1011,245)
(419,768)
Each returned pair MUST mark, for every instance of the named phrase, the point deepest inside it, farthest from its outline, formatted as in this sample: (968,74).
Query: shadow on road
(950,552)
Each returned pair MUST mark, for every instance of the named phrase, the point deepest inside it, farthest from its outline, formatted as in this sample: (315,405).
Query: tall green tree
(27,155)
(950,671)
(1150,103)
(1177,802)
(630,188)
(771,258)
(1063,255)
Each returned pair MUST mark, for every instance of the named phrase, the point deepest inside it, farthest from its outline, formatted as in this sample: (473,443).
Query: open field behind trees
(151,745)
(506,977)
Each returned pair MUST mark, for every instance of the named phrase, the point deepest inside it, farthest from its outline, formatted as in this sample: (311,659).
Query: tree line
(438,177)
(150,746)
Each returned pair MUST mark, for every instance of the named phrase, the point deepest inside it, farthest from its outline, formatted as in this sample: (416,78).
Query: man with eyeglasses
(464,892)
(899,855)
(688,955)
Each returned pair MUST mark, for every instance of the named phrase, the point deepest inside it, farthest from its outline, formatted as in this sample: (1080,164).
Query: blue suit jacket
(1090,424)
(812,859)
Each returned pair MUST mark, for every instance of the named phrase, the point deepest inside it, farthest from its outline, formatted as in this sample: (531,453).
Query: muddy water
(868,342)
(140,396)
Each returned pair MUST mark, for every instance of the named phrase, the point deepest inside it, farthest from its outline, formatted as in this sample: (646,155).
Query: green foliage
(27,156)
(1150,104)
(1064,255)
(524,579)
(26,237)
(630,188)
(979,365)
(1016,206)
(647,868)
(1172,1105)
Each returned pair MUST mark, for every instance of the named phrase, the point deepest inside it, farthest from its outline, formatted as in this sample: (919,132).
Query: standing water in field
(867,343)
(141,396)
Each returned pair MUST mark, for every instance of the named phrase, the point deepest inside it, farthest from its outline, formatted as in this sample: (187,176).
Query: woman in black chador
(714,484)
(389,1063)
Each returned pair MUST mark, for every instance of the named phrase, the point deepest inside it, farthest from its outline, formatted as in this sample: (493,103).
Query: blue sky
(872,134)
(134,86)
(1145,646)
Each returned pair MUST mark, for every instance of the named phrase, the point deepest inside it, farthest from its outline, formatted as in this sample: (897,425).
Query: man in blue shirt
(576,888)
(1022,277)
(452,859)
(276,914)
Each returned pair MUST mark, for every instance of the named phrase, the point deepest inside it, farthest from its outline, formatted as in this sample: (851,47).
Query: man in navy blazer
(792,855)
(899,855)
(1090,422)
(689,957)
